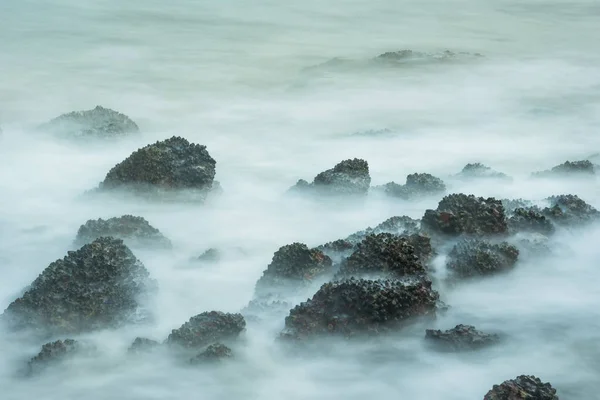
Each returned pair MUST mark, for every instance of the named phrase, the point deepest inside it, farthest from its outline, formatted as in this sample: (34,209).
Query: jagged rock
(349,177)
(135,231)
(530,220)
(206,328)
(358,306)
(96,287)
(293,266)
(524,387)
(53,353)
(417,185)
(458,214)
(383,255)
(142,345)
(474,258)
(570,210)
(460,338)
(583,167)
(209,256)
(168,165)
(99,122)
(214,352)
(478,170)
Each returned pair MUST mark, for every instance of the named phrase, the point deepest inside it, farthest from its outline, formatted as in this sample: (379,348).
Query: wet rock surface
(349,177)
(460,338)
(96,287)
(359,306)
(134,231)
(524,387)
(570,210)
(208,327)
(213,353)
(52,354)
(99,122)
(530,220)
(568,168)
(478,171)
(417,185)
(476,258)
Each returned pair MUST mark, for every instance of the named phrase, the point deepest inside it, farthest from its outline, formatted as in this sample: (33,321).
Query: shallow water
(231,76)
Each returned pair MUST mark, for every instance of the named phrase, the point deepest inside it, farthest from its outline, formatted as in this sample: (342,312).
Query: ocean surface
(520,93)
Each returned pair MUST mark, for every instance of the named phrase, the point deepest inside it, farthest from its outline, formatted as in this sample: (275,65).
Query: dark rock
(143,345)
(96,287)
(478,170)
(460,214)
(134,231)
(583,167)
(417,185)
(97,123)
(338,249)
(475,258)
(349,177)
(52,354)
(524,387)
(460,338)
(209,256)
(214,352)
(168,165)
(570,210)
(530,220)
(361,306)
(206,328)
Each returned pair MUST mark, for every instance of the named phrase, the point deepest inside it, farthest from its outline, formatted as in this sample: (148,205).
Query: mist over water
(232,76)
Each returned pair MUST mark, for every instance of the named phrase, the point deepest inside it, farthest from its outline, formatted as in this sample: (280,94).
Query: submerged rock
(168,165)
(134,231)
(206,328)
(570,210)
(475,258)
(349,177)
(99,122)
(96,287)
(53,353)
(214,352)
(478,170)
(569,168)
(530,220)
(358,306)
(460,338)
(524,387)
(417,185)
(407,55)
(142,345)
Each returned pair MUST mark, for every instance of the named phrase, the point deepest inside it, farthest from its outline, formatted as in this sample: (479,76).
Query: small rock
(349,177)
(52,354)
(530,220)
(524,387)
(142,345)
(417,185)
(569,168)
(460,338)
(214,352)
(206,328)
(570,210)
(210,256)
(478,171)
(475,258)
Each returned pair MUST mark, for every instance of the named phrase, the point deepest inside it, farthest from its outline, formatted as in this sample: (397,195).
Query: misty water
(235,76)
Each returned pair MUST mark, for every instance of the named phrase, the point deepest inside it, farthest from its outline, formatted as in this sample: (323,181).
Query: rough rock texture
(214,352)
(172,164)
(97,123)
(570,210)
(417,185)
(466,214)
(460,338)
(583,167)
(206,328)
(95,287)
(473,258)
(349,177)
(52,353)
(135,231)
(530,220)
(338,249)
(383,255)
(478,170)
(293,266)
(360,306)
(142,345)
(524,387)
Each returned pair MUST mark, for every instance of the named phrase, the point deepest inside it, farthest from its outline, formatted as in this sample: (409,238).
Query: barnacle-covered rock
(568,168)
(530,220)
(206,328)
(96,287)
(417,185)
(478,170)
(293,266)
(142,345)
(214,352)
(99,122)
(475,258)
(52,354)
(359,306)
(168,165)
(135,231)
(570,210)
(524,387)
(349,177)
(460,338)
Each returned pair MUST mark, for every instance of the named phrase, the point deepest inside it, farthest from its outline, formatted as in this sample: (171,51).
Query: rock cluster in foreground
(524,387)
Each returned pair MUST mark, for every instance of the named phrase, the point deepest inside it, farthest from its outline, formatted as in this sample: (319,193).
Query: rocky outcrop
(143,345)
(477,258)
(213,353)
(570,210)
(96,287)
(207,328)
(524,387)
(52,354)
(530,220)
(569,168)
(210,256)
(479,171)
(349,177)
(460,338)
(358,306)
(417,185)
(134,231)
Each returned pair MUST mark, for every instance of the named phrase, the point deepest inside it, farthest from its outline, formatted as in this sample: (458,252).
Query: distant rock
(395,225)
(338,249)
(460,338)
(263,308)
(458,214)
(97,123)
(531,244)
(163,167)
(568,168)
(478,171)
(52,354)
(142,345)
(524,387)
(417,185)
(98,286)
(134,231)
(510,205)
(411,56)
(477,258)
(349,177)
(206,328)
(358,306)
(210,256)
(213,353)
(530,220)
(569,209)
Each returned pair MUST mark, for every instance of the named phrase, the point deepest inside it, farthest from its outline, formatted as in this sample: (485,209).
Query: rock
(358,306)
(258,309)
(410,56)
(382,256)
(134,231)
(97,123)
(570,210)
(530,220)
(569,168)
(458,214)
(524,387)
(478,170)
(349,177)
(460,338)
(214,352)
(206,328)
(210,256)
(476,258)
(96,287)
(510,205)
(531,244)
(142,345)
(338,249)
(395,225)
(417,185)
(165,166)
(293,266)
(52,354)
